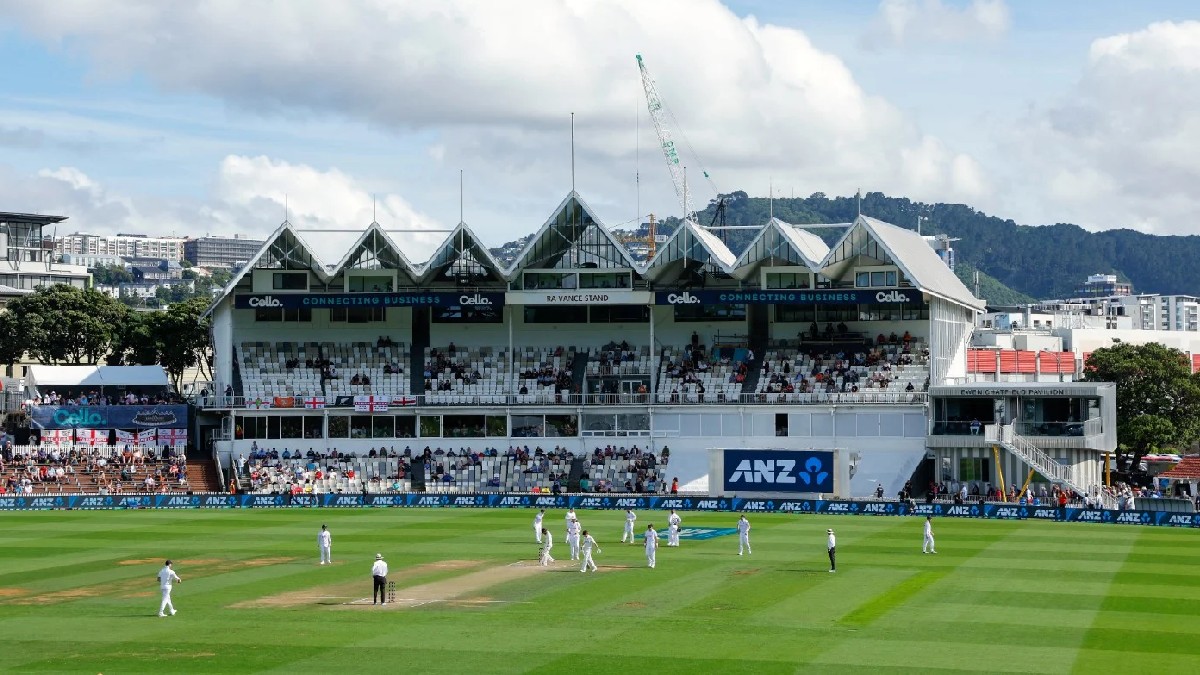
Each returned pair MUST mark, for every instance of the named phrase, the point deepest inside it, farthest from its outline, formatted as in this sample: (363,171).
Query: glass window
(497,425)
(615,280)
(268,314)
(360,426)
(431,426)
(549,280)
(862,279)
(788,280)
(563,314)
(562,425)
(527,426)
(619,314)
(314,426)
(358,314)
(889,278)
(463,426)
(877,278)
(290,427)
(369,283)
(406,426)
(289,281)
(273,428)
(339,426)
(383,426)
(467,314)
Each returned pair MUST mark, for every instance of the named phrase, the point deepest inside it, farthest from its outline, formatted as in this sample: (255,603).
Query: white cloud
(1119,151)
(495,83)
(247,199)
(915,22)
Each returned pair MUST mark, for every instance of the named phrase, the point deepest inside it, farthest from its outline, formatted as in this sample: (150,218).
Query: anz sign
(778,471)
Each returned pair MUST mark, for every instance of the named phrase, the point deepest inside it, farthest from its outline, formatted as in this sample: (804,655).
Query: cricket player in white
(573,530)
(651,544)
(571,516)
(165,577)
(673,532)
(831,548)
(928,546)
(537,525)
(743,528)
(630,518)
(324,540)
(588,545)
(547,544)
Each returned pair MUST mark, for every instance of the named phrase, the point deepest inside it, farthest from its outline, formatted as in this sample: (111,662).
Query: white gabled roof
(559,233)
(911,253)
(781,241)
(376,230)
(461,240)
(693,242)
(280,234)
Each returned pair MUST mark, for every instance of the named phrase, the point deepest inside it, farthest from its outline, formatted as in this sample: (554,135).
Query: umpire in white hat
(379,575)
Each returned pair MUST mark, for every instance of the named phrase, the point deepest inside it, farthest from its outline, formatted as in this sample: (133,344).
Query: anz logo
(875,508)
(683,298)
(344,500)
(764,471)
(1180,521)
(590,503)
(958,511)
(754,506)
(265,501)
(891,296)
(628,503)
(1089,516)
(1129,518)
(93,502)
(179,501)
(429,501)
(510,501)
(265,301)
(1047,514)
(671,504)
(41,502)
(838,508)
(464,501)
(711,504)
(1005,512)
(546,501)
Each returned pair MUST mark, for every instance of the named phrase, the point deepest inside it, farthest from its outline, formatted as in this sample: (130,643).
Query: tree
(1158,397)
(182,338)
(111,275)
(13,341)
(135,341)
(63,323)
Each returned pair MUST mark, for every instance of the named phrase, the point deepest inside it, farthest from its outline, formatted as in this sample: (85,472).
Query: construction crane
(658,115)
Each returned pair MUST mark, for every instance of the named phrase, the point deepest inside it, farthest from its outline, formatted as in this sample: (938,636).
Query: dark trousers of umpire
(833,558)
(380,590)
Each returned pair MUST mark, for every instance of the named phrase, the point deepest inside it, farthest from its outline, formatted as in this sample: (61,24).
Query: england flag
(370,404)
(314,402)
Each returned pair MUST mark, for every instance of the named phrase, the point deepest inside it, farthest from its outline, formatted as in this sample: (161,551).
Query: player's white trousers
(743,543)
(650,556)
(326,557)
(166,601)
(587,562)
(928,545)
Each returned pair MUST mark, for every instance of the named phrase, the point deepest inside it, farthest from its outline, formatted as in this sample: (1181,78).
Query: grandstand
(861,348)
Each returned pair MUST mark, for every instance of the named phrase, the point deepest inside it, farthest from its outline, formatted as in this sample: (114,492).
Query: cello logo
(83,417)
(476,299)
(265,301)
(891,296)
(684,298)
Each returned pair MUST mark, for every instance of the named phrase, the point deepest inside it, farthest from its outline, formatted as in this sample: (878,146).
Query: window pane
(862,279)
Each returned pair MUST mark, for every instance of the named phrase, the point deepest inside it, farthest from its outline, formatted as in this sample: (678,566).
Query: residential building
(120,245)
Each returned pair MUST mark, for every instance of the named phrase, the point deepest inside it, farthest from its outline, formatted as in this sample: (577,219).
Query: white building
(120,245)
(27,259)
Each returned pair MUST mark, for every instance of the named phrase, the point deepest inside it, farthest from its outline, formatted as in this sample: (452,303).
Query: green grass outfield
(77,594)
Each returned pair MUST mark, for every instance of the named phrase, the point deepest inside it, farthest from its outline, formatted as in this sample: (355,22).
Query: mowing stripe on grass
(896,596)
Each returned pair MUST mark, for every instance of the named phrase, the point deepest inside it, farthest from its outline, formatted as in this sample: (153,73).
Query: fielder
(630,518)
(573,530)
(324,540)
(743,528)
(928,546)
(165,576)
(588,545)
(537,525)
(831,547)
(651,544)
(571,516)
(673,532)
(547,544)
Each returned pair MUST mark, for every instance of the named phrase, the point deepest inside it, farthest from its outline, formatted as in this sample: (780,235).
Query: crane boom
(654,105)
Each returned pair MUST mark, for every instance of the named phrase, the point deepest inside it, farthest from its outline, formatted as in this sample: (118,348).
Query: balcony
(1045,435)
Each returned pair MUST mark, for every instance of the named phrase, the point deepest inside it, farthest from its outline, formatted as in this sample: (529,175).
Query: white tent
(40,379)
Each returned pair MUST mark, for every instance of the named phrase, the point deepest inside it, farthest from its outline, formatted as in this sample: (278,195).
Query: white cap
(829,531)
(379,556)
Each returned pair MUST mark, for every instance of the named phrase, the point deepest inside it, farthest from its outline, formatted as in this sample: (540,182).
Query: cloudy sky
(204,117)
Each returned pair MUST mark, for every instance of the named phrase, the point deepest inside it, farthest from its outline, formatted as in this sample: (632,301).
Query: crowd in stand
(121,469)
(94,397)
(831,367)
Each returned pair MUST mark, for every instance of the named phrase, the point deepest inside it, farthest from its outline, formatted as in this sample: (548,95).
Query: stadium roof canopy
(29,218)
(42,378)
(462,257)
(572,237)
(375,250)
(781,244)
(873,242)
(689,250)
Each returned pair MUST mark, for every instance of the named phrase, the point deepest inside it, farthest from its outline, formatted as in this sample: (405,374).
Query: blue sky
(134,117)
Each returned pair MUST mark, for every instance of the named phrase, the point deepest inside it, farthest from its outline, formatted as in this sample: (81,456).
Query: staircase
(1010,440)
(203,476)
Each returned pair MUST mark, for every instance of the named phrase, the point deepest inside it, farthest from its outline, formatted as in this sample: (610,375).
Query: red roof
(1188,469)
